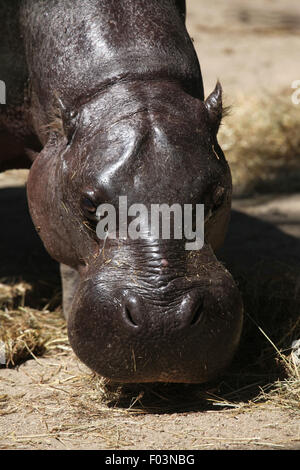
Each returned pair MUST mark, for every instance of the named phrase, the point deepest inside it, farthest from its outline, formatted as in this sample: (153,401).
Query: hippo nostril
(131,311)
(198,312)
(129,316)
(192,309)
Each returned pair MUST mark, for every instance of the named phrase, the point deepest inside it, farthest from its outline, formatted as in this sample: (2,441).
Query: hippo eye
(218,197)
(88,207)
(213,199)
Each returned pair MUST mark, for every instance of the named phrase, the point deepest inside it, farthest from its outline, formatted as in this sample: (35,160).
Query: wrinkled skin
(126,81)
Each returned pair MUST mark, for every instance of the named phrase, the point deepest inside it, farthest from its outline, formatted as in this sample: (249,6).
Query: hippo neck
(126,85)
(97,43)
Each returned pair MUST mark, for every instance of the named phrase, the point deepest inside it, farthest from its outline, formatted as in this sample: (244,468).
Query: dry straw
(261,140)
(27,332)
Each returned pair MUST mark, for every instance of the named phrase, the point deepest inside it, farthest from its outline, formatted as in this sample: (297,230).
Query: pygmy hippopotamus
(106,98)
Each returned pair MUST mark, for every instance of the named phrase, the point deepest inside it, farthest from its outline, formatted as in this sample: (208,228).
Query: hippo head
(145,309)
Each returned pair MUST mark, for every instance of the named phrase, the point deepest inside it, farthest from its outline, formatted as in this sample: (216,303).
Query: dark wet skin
(126,80)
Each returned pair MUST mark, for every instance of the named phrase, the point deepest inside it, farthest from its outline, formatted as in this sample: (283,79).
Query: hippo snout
(185,331)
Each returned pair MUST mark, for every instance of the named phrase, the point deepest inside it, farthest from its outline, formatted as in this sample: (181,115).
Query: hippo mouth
(168,327)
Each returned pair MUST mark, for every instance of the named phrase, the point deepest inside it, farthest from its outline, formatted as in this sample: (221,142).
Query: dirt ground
(51,403)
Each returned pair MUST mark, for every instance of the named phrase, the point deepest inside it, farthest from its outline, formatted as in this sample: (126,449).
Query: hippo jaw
(161,323)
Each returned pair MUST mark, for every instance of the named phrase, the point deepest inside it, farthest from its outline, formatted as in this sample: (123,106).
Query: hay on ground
(26,332)
(261,141)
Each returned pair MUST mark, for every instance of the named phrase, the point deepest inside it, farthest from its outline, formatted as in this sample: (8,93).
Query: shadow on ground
(264,261)
(22,254)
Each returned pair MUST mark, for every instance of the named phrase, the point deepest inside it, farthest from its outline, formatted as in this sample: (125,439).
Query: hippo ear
(214,107)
